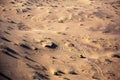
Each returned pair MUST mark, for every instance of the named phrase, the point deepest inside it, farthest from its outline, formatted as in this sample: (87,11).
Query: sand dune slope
(59,40)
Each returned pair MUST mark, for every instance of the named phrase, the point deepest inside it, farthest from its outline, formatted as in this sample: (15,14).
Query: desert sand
(59,39)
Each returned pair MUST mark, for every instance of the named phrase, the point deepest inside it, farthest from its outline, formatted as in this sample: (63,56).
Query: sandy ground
(59,39)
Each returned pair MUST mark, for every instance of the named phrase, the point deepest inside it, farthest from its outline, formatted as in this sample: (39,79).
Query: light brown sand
(59,40)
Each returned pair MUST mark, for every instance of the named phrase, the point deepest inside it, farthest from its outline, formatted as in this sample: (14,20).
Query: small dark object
(28,58)
(108,60)
(12,22)
(5,39)
(40,76)
(73,73)
(1,20)
(25,46)
(96,76)
(81,56)
(22,26)
(6,77)
(12,2)
(11,55)
(37,67)
(66,79)
(116,55)
(58,73)
(53,46)
(11,50)
(6,32)
(26,10)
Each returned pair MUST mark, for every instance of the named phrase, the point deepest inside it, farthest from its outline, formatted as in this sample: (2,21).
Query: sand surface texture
(59,39)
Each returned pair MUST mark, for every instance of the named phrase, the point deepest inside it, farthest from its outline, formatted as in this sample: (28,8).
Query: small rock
(62,19)
(116,55)
(66,78)
(48,44)
(28,46)
(73,72)
(62,33)
(58,73)
(96,76)
(69,44)
(40,76)
(81,56)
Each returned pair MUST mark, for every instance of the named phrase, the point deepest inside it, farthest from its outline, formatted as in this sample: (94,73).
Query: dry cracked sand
(59,39)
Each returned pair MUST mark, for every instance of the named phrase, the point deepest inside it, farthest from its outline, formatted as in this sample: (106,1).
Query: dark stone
(58,73)
(53,46)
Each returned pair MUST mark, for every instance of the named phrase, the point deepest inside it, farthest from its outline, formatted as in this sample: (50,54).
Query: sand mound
(59,40)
